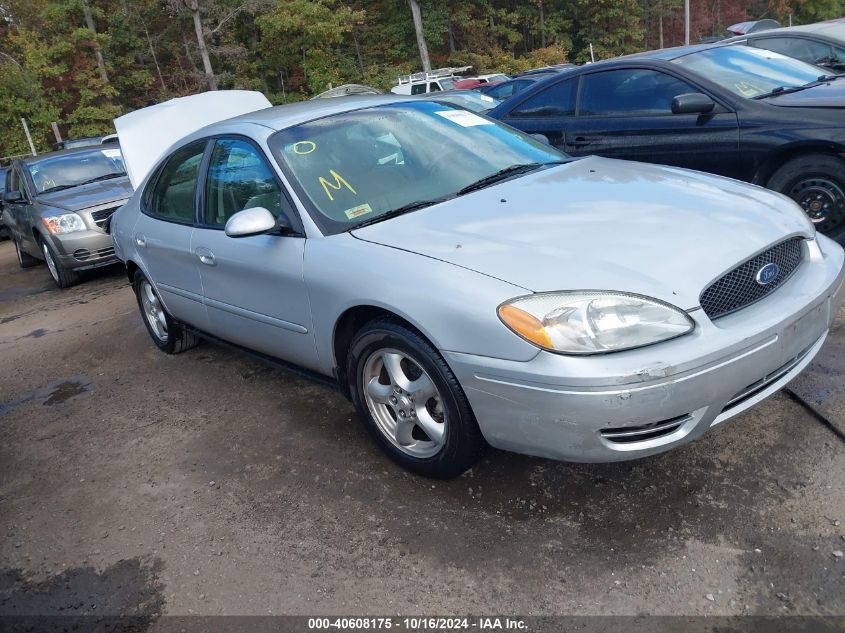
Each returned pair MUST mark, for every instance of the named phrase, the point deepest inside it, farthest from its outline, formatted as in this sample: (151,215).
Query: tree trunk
(98,54)
(206,60)
(542,25)
(452,46)
(418,27)
(660,29)
(153,53)
(358,52)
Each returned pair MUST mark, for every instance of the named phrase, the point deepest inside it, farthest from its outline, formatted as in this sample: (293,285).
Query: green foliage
(291,49)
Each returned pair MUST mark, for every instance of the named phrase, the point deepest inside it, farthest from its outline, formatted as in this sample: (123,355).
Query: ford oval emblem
(767,274)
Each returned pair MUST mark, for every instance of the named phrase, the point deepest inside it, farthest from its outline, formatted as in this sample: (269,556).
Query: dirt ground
(208,483)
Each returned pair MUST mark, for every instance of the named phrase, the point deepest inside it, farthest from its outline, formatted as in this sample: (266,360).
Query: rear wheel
(61,275)
(24,259)
(817,183)
(169,336)
(411,401)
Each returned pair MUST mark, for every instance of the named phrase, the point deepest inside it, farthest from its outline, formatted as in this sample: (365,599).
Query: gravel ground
(207,483)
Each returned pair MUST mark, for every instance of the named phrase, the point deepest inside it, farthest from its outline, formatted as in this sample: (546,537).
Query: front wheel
(25,260)
(63,277)
(168,335)
(411,401)
(817,183)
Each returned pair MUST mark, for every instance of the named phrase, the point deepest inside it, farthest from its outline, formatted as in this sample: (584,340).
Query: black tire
(24,259)
(177,339)
(63,277)
(463,442)
(817,183)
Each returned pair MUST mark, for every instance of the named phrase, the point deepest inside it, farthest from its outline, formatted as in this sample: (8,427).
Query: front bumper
(632,404)
(84,249)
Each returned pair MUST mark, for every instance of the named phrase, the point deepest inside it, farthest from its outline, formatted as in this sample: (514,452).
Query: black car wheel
(24,260)
(817,183)
(411,402)
(168,335)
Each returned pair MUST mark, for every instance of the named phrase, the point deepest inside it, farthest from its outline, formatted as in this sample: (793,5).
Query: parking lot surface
(135,482)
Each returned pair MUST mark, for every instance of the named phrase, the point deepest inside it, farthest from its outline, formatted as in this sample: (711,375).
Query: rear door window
(172,196)
(554,101)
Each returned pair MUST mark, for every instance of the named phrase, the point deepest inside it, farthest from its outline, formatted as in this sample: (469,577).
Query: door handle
(205,256)
(580,141)
(140,240)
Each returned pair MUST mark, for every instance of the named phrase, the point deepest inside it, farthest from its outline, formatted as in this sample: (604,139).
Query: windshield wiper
(502,174)
(783,90)
(99,178)
(405,208)
(56,188)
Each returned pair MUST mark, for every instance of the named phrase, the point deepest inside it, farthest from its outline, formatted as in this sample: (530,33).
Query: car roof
(284,116)
(668,54)
(817,28)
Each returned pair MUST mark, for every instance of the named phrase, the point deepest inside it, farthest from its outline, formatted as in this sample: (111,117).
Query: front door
(253,286)
(164,232)
(627,113)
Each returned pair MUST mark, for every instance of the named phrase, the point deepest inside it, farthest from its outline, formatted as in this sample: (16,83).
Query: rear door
(164,231)
(253,286)
(627,113)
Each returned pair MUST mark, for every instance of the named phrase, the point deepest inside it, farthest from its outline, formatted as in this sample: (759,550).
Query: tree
(418,28)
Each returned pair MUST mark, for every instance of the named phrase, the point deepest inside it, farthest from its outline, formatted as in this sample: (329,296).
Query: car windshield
(71,170)
(475,101)
(357,166)
(750,72)
(447,84)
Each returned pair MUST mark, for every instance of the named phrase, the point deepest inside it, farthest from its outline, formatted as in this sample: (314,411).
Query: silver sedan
(468,285)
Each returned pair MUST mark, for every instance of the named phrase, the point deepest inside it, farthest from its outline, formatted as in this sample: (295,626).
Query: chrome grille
(739,287)
(102,215)
(654,430)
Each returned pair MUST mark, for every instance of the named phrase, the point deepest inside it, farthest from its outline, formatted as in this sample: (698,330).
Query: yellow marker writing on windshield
(339,182)
(304,147)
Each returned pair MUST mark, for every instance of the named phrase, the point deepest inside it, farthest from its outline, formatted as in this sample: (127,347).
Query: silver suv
(56,207)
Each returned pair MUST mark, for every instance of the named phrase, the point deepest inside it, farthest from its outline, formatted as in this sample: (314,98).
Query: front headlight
(67,223)
(593,321)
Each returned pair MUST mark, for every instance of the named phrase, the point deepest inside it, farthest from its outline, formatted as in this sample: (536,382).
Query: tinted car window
(503,91)
(556,100)
(238,178)
(418,89)
(798,47)
(172,196)
(2,180)
(630,92)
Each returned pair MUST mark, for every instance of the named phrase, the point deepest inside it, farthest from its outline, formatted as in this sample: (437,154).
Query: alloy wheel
(153,311)
(404,402)
(48,257)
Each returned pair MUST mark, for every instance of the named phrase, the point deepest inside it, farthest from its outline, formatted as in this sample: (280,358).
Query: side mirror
(254,221)
(11,197)
(692,103)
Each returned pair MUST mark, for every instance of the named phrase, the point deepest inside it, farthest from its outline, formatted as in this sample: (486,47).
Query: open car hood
(146,134)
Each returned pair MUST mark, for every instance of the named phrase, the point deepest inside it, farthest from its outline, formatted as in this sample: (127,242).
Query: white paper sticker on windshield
(357,212)
(463,118)
(111,153)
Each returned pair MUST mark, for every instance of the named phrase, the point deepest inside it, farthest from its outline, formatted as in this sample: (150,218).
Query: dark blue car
(737,111)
